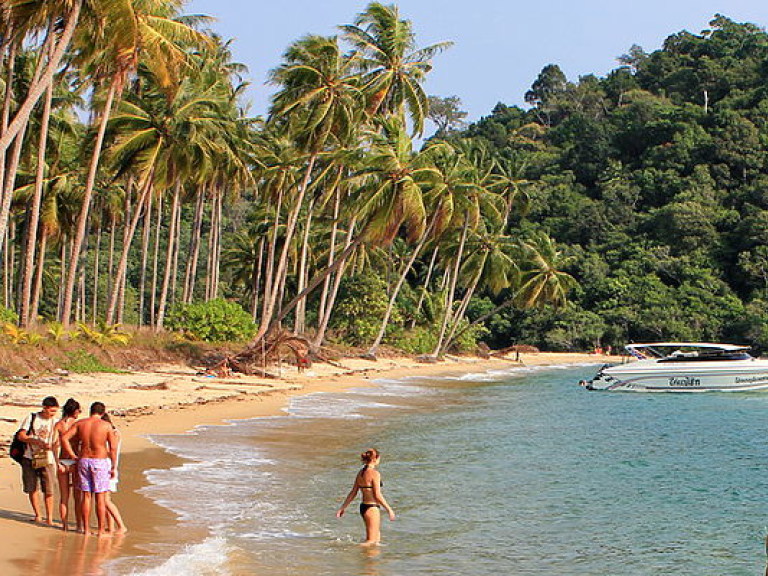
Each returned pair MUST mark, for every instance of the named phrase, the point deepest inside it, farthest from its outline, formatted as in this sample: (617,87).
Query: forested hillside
(137,189)
(656,177)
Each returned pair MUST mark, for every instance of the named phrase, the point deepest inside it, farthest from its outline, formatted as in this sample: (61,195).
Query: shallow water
(519,472)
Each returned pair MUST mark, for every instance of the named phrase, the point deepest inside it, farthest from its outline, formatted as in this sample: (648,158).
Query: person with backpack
(38,464)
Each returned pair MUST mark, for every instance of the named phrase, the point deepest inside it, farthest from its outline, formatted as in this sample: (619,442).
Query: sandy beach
(173,399)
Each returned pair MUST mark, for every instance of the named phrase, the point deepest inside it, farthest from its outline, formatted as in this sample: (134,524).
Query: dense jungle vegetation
(137,190)
(656,179)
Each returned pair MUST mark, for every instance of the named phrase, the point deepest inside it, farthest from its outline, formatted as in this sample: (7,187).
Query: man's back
(94,436)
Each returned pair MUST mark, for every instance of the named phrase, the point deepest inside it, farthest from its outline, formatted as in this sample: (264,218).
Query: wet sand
(29,548)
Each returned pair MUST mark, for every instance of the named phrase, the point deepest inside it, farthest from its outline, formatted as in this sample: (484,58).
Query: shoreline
(174,400)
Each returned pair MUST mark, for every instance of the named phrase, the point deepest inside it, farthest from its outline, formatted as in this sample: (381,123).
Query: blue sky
(499,46)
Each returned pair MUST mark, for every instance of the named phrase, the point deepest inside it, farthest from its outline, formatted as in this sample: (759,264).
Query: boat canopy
(682,349)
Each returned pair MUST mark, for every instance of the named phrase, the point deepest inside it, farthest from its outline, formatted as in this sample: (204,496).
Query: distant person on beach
(96,463)
(67,467)
(368,482)
(115,522)
(38,466)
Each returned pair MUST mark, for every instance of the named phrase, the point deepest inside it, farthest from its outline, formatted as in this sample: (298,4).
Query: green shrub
(420,340)
(214,321)
(360,309)
(85,362)
(8,315)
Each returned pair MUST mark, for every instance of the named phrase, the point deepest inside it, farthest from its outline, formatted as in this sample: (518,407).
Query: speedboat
(684,367)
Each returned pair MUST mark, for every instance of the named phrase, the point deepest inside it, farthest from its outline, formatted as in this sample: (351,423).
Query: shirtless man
(96,463)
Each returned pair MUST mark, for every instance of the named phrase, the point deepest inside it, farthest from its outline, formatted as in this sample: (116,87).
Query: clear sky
(500,46)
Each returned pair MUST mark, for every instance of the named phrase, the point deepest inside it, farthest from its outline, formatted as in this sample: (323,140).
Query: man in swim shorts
(97,461)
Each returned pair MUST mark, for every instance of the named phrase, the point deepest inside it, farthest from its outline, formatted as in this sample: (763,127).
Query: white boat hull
(651,376)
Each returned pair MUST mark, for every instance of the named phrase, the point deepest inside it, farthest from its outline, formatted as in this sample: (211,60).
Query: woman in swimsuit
(67,469)
(368,482)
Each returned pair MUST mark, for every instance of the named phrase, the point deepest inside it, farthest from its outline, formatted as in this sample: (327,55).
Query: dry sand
(172,399)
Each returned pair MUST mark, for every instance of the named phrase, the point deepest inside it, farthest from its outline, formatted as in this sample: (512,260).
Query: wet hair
(98,408)
(369,455)
(70,407)
(106,417)
(50,402)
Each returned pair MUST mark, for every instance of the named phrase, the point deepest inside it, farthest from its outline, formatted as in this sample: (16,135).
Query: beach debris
(255,358)
(159,386)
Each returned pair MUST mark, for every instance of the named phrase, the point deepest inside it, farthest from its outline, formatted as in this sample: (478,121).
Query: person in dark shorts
(38,466)
(368,483)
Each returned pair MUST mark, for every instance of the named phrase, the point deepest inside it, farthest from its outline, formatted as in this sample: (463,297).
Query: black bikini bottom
(364,508)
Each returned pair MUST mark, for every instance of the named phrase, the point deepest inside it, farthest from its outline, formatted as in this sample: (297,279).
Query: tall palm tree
(318,101)
(147,28)
(393,67)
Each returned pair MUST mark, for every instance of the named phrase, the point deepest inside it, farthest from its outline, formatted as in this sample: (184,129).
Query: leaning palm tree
(318,102)
(393,67)
(543,280)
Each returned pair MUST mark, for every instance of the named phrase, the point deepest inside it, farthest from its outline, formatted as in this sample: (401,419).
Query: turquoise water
(506,473)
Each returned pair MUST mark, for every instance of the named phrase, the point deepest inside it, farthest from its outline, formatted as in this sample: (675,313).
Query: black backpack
(16,451)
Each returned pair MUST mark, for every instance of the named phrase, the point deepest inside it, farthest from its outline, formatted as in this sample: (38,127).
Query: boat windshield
(670,352)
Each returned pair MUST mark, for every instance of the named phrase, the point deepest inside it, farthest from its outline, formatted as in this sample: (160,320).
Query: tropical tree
(392,67)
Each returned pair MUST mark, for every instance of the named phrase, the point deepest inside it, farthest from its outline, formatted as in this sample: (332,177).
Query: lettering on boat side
(751,379)
(684,381)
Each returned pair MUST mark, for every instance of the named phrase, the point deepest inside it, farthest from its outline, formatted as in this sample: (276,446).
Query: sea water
(506,472)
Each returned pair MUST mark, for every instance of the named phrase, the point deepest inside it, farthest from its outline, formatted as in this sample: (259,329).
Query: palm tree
(393,68)
(153,28)
(318,101)
(543,280)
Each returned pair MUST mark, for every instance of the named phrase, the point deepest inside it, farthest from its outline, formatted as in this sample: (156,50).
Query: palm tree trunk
(269,278)
(399,284)
(341,260)
(176,249)
(195,236)
(156,251)
(38,284)
(256,275)
(283,262)
(9,186)
(62,277)
(426,285)
(452,290)
(168,258)
(41,83)
(211,250)
(218,199)
(111,258)
(128,231)
(96,275)
(118,289)
(462,310)
(144,253)
(82,218)
(322,326)
(34,219)
(331,255)
(301,308)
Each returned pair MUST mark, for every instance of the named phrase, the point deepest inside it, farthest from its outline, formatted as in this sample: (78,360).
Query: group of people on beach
(81,455)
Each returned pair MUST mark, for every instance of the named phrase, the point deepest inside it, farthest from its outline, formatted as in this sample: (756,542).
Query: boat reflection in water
(684,367)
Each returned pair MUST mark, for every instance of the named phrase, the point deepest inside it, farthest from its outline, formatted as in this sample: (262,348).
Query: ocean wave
(208,558)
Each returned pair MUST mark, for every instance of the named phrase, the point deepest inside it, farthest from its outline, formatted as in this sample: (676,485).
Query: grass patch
(81,361)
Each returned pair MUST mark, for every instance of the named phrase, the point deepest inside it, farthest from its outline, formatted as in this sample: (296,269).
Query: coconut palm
(318,102)
(147,28)
(393,67)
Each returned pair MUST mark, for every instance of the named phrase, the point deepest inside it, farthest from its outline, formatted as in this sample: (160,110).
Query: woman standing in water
(368,481)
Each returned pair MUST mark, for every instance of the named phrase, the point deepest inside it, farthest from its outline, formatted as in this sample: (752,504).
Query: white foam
(208,558)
